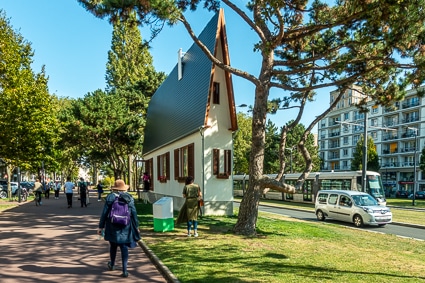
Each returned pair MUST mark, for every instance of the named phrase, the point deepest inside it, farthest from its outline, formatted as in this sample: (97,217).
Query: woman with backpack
(119,224)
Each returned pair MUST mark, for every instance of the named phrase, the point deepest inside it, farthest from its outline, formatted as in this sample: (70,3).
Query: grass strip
(285,250)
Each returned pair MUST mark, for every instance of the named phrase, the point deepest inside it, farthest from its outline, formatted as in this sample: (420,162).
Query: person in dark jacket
(99,191)
(122,236)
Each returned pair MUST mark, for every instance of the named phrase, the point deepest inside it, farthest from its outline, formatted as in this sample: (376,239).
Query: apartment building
(398,133)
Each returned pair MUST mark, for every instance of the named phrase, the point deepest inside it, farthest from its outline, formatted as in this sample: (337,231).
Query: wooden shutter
(158,167)
(191,159)
(227,161)
(167,163)
(216,160)
(176,164)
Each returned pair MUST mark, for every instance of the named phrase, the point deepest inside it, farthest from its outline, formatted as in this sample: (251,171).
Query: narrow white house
(190,124)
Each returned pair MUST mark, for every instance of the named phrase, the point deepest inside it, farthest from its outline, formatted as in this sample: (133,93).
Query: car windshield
(364,200)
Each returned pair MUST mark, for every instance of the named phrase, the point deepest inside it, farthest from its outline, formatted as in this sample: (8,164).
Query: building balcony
(410,119)
(407,164)
(407,149)
(333,145)
(390,123)
(410,104)
(390,137)
(387,151)
(332,157)
(391,165)
(408,135)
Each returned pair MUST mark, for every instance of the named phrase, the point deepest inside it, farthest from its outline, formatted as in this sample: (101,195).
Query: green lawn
(286,250)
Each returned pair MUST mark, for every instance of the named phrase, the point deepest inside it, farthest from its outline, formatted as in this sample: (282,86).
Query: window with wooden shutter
(222,163)
(184,162)
(163,167)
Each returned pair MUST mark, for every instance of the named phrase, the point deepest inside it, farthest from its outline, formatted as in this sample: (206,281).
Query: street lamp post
(414,165)
(364,159)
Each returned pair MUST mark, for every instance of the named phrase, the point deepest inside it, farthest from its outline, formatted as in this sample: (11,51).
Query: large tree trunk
(248,210)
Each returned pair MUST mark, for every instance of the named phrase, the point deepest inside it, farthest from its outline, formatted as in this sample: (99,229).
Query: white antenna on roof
(180,55)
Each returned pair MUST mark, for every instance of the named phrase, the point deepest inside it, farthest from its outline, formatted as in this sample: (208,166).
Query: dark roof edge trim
(172,141)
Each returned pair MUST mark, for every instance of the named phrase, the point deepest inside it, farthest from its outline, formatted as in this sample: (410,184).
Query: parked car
(351,206)
(418,195)
(401,194)
(13,186)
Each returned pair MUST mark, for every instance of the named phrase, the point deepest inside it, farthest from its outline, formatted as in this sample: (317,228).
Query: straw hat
(120,185)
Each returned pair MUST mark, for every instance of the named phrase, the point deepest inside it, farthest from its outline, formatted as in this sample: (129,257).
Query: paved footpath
(53,243)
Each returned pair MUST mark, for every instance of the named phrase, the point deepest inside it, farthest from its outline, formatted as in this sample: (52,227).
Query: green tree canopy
(372,156)
(27,115)
(241,144)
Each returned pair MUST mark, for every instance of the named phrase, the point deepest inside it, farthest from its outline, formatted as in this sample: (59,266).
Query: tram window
(335,185)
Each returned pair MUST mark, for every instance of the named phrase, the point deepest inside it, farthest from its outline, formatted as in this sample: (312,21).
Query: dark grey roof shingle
(178,107)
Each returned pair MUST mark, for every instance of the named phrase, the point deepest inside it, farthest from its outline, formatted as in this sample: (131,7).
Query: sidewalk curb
(168,275)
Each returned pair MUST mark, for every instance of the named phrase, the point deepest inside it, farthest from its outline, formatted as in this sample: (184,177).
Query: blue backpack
(120,213)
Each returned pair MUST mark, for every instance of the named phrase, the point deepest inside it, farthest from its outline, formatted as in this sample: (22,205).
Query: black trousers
(69,199)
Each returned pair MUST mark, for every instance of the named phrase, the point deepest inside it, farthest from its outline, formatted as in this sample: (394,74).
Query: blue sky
(73,46)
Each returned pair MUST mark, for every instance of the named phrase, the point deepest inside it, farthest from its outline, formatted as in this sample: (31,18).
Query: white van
(351,206)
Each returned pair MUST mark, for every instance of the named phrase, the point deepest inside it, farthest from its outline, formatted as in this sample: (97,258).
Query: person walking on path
(82,186)
(146,181)
(69,191)
(46,189)
(122,236)
(38,189)
(189,211)
(99,191)
(57,189)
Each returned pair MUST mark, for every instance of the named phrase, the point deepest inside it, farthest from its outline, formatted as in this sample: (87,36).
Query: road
(394,229)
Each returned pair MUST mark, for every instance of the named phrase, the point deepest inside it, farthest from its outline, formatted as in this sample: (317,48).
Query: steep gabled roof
(179,107)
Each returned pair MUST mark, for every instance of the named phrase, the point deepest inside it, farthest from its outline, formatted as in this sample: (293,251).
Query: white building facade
(398,133)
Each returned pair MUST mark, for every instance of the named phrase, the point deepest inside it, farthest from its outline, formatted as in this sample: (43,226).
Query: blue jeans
(124,254)
(189,225)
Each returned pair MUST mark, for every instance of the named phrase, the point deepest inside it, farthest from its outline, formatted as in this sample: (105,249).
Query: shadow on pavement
(53,243)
